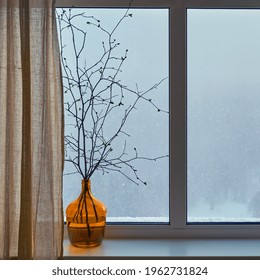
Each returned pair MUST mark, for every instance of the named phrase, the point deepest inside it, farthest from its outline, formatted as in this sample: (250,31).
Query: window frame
(178,226)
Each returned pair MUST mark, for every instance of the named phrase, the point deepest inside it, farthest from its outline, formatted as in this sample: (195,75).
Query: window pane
(223,115)
(144,34)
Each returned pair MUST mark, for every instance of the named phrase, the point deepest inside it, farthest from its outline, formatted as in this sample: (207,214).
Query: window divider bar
(178,119)
(227,4)
(113,3)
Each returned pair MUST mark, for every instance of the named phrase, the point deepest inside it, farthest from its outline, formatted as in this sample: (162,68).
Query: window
(186,57)
(223,115)
(108,52)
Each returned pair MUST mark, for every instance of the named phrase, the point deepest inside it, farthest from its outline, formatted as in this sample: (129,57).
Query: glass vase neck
(86,184)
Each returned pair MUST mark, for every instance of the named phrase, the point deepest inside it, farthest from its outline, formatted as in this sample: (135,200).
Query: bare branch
(94,93)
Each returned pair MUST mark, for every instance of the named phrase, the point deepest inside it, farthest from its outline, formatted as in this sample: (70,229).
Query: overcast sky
(224,109)
(146,36)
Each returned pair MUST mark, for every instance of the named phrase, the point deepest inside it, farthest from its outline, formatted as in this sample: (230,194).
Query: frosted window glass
(223,149)
(145,35)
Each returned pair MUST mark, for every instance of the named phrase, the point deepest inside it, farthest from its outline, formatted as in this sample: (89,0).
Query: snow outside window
(144,36)
(223,115)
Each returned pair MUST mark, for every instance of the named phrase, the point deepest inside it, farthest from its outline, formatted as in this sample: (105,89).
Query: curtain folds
(31,131)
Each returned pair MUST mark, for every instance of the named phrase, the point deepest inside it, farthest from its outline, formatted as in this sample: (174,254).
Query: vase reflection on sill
(86,218)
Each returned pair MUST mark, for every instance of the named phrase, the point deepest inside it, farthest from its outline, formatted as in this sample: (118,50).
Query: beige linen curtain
(31,132)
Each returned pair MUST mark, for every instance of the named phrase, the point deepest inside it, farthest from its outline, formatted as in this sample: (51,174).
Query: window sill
(167,248)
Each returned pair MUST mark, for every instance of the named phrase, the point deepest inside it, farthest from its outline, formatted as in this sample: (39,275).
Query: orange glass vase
(86,218)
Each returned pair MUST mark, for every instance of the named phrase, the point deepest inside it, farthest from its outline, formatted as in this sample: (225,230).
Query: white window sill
(167,248)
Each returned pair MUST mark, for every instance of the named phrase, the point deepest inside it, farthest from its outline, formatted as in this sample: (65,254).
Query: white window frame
(177,227)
